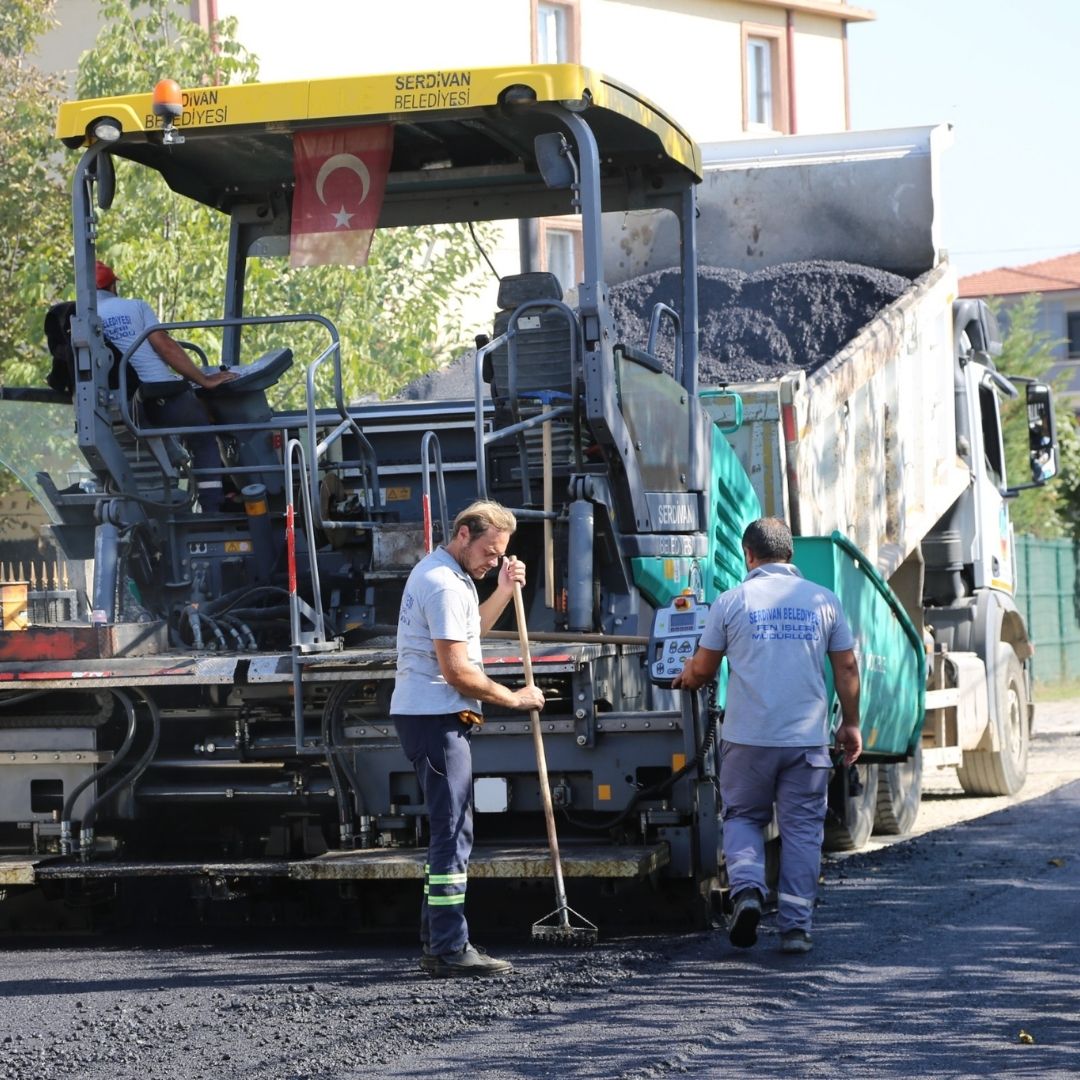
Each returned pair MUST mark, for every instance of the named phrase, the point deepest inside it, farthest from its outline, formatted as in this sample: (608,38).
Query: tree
(35,245)
(1052,511)
(171,251)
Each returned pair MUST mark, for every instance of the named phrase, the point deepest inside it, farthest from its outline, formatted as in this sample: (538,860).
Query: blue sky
(1006,75)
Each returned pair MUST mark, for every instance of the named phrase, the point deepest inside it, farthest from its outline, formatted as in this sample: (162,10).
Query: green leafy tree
(166,249)
(1051,511)
(171,251)
(35,245)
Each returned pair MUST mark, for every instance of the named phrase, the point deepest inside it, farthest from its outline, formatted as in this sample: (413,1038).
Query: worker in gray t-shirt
(166,373)
(436,703)
(776,630)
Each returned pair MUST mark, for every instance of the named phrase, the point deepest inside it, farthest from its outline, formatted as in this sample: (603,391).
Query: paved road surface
(933,956)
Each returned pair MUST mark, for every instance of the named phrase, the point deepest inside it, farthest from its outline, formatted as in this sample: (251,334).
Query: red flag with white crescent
(340,181)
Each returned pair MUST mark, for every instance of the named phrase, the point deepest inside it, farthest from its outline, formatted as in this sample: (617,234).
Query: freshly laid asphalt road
(933,956)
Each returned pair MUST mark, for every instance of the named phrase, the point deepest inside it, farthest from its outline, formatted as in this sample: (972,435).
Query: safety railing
(429,447)
(365,465)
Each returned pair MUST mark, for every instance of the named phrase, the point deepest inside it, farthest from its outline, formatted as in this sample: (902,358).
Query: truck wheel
(1002,772)
(850,818)
(899,794)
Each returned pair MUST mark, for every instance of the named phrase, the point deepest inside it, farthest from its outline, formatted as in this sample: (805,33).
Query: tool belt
(470,718)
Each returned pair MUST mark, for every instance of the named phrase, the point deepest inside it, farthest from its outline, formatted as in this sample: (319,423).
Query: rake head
(557,928)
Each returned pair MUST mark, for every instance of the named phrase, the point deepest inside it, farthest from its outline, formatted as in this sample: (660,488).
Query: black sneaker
(466,962)
(745,915)
(796,941)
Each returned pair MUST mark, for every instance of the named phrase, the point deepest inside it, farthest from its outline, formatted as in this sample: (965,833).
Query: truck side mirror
(1042,432)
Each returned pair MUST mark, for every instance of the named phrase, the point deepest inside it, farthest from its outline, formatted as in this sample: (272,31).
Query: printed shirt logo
(784,624)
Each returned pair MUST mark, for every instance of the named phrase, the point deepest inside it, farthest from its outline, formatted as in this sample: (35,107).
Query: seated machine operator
(164,370)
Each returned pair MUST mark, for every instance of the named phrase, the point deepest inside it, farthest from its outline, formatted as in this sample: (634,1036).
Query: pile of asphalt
(755,326)
(452,382)
(758,326)
(281,1009)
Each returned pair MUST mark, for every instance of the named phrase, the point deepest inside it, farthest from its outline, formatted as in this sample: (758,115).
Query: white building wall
(351,37)
(820,93)
(686,61)
(77,27)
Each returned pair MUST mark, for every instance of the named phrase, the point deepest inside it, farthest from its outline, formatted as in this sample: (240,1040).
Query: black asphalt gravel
(752,326)
(935,957)
(795,315)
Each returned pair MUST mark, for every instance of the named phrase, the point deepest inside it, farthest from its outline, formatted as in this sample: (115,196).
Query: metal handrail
(312,640)
(210,324)
(428,444)
(483,440)
(318,448)
(658,312)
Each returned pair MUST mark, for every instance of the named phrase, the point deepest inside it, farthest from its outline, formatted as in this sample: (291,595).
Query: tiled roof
(1051,275)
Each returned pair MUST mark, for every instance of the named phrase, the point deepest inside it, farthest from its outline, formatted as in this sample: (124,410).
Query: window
(560,250)
(759,92)
(991,428)
(1074,333)
(765,94)
(555,31)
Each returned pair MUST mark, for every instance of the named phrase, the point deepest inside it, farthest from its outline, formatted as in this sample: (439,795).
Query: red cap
(104,275)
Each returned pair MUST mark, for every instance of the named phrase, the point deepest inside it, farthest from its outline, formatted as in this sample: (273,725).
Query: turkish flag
(340,181)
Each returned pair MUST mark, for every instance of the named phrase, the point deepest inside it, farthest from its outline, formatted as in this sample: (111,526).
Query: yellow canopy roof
(474,127)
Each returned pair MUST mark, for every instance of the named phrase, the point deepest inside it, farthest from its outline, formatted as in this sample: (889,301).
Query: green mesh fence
(1047,596)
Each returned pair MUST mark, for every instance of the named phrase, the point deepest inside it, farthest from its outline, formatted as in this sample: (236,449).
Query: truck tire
(850,819)
(899,794)
(1002,772)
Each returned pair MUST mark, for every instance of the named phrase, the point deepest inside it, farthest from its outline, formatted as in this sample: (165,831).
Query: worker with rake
(437,700)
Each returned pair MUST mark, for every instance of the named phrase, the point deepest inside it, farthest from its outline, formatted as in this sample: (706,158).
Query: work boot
(466,962)
(428,961)
(745,915)
(796,941)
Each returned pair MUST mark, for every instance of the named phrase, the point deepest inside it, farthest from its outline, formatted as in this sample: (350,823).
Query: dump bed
(866,444)
(861,440)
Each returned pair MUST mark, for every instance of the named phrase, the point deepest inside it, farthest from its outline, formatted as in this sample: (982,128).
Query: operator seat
(541,377)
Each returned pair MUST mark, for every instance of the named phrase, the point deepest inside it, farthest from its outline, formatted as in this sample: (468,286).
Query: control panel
(675,633)
(260,374)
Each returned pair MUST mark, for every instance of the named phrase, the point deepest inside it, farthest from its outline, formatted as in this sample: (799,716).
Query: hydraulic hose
(665,785)
(340,795)
(336,758)
(69,803)
(86,838)
(227,602)
(20,699)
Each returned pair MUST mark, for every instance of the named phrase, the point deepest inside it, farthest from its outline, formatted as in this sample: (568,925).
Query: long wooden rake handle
(541,764)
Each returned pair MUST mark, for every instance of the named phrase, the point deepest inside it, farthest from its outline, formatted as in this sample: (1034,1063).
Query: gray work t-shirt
(123,320)
(440,603)
(776,629)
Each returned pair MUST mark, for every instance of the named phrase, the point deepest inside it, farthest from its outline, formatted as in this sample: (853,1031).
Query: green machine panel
(731,504)
(892,658)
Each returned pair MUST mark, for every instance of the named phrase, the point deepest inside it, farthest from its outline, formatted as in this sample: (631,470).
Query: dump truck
(215,715)
(894,440)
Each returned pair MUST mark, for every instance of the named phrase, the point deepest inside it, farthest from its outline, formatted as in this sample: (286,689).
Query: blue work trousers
(438,747)
(796,779)
(186,410)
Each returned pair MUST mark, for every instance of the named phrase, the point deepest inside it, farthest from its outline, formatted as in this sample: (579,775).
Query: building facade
(723,69)
(1056,282)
